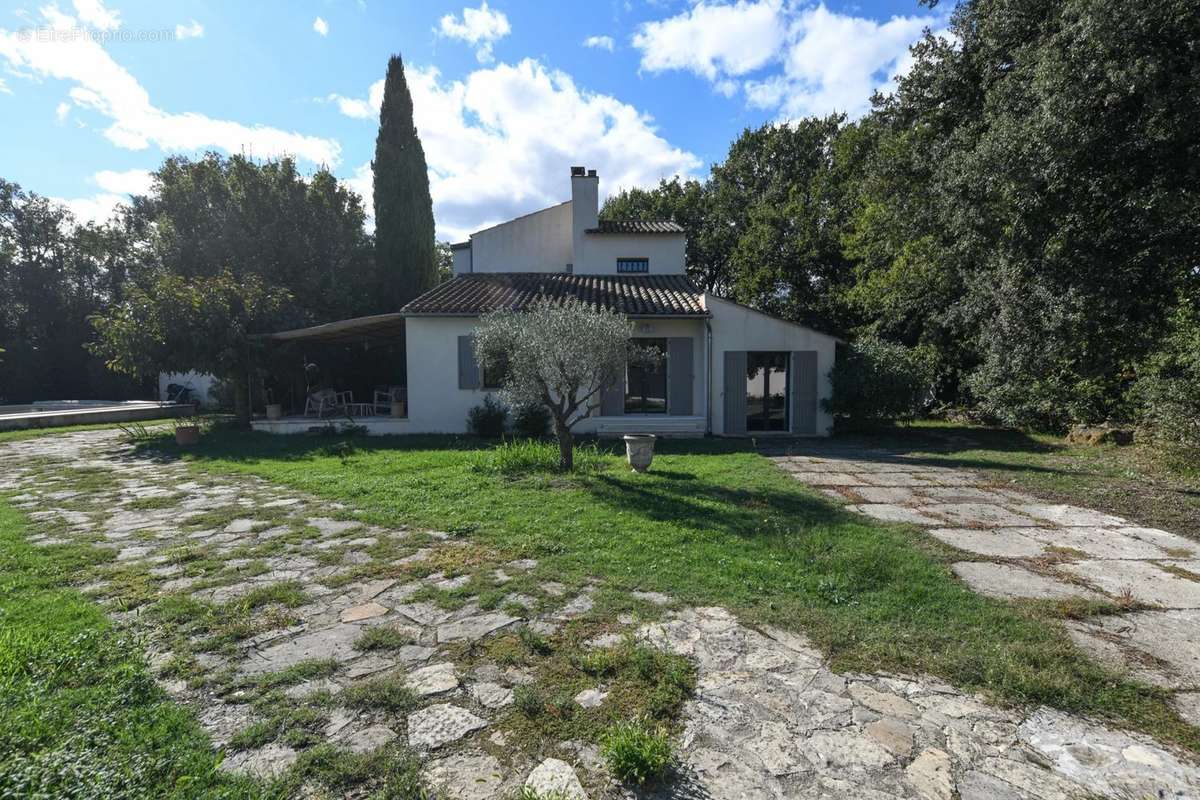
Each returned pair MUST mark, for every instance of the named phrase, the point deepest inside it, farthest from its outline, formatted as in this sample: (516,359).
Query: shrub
(1169,410)
(877,380)
(487,420)
(635,752)
(531,421)
(1167,392)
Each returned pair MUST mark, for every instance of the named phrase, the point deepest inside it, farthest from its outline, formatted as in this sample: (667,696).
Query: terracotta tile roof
(637,226)
(635,295)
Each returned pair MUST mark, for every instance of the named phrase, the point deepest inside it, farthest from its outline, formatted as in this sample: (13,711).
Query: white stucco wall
(736,327)
(599,252)
(537,242)
(437,405)
(462,260)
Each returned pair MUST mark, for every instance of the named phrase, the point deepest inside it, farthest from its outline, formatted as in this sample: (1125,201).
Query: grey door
(735,392)
(804,392)
(680,376)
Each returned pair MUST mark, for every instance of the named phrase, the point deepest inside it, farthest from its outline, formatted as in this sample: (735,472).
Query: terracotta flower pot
(400,408)
(186,435)
(639,450)
(274,410)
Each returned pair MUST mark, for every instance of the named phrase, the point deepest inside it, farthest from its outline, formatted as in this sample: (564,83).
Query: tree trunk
(241,400)
(566,446)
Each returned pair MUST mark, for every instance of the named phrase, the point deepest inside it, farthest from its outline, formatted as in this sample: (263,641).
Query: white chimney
(585,206)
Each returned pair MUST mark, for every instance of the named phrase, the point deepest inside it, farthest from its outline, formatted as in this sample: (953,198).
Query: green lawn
(80,716)
(714,523)
(1139,482)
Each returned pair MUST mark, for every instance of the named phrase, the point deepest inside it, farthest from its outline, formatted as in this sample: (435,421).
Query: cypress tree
(404,236)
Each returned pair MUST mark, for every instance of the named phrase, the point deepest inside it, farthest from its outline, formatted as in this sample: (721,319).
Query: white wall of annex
(736,327)
(537,242)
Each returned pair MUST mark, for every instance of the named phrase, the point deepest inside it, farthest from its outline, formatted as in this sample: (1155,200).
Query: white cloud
(192,30)
(4,87)
(93,12)
(62,111)
(835,61)
(600,43)
(104,86)
(131,181)
(115,190)
(500,143)
(321,26)
(713,40)
(795,60)
(359,108)
(97,208)
(479,26)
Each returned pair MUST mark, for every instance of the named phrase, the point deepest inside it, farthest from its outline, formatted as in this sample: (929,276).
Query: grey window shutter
(804,392)
(735,392)
(468,368)
(612,399)
(679,376)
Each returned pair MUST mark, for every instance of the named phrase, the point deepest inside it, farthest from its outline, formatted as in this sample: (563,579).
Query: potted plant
(639,450)
(187,431)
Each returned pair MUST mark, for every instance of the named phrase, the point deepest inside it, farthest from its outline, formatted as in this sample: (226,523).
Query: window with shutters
(633,265)
(646,381)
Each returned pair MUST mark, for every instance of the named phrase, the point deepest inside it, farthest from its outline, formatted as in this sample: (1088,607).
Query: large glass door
(766,391)
(646,380)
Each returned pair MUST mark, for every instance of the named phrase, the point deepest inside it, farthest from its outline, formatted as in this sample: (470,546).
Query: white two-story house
(726,369)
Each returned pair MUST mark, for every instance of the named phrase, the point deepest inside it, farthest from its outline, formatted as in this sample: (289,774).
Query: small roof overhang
(344,331)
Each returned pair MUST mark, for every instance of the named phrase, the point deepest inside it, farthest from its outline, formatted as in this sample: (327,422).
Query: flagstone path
(769,718)
(1017,547)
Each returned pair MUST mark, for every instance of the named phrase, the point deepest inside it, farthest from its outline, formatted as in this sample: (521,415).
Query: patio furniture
(359,409)
(326,401)
(387,395)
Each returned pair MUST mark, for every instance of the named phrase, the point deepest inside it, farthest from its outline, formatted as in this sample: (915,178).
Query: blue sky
(508,95)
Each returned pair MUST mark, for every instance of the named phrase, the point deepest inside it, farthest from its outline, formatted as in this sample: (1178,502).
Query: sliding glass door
(766,391)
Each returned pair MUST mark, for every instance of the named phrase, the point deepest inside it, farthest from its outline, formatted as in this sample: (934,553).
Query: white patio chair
(326,401)
(391,394)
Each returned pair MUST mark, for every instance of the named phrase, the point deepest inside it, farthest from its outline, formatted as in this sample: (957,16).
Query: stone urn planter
(639,450)
(187,435)
(274,410)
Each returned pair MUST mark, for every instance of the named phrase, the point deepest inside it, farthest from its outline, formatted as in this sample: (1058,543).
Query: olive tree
(558,354)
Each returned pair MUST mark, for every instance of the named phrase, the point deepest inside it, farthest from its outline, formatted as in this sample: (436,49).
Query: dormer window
(633,265)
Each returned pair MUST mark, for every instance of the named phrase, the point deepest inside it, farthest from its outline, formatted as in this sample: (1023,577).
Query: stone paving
(1036,550)
(769,718)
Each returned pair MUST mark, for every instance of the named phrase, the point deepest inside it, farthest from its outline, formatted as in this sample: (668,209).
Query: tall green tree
(54,274)
(404,236)
(1031,207)
(216,214)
